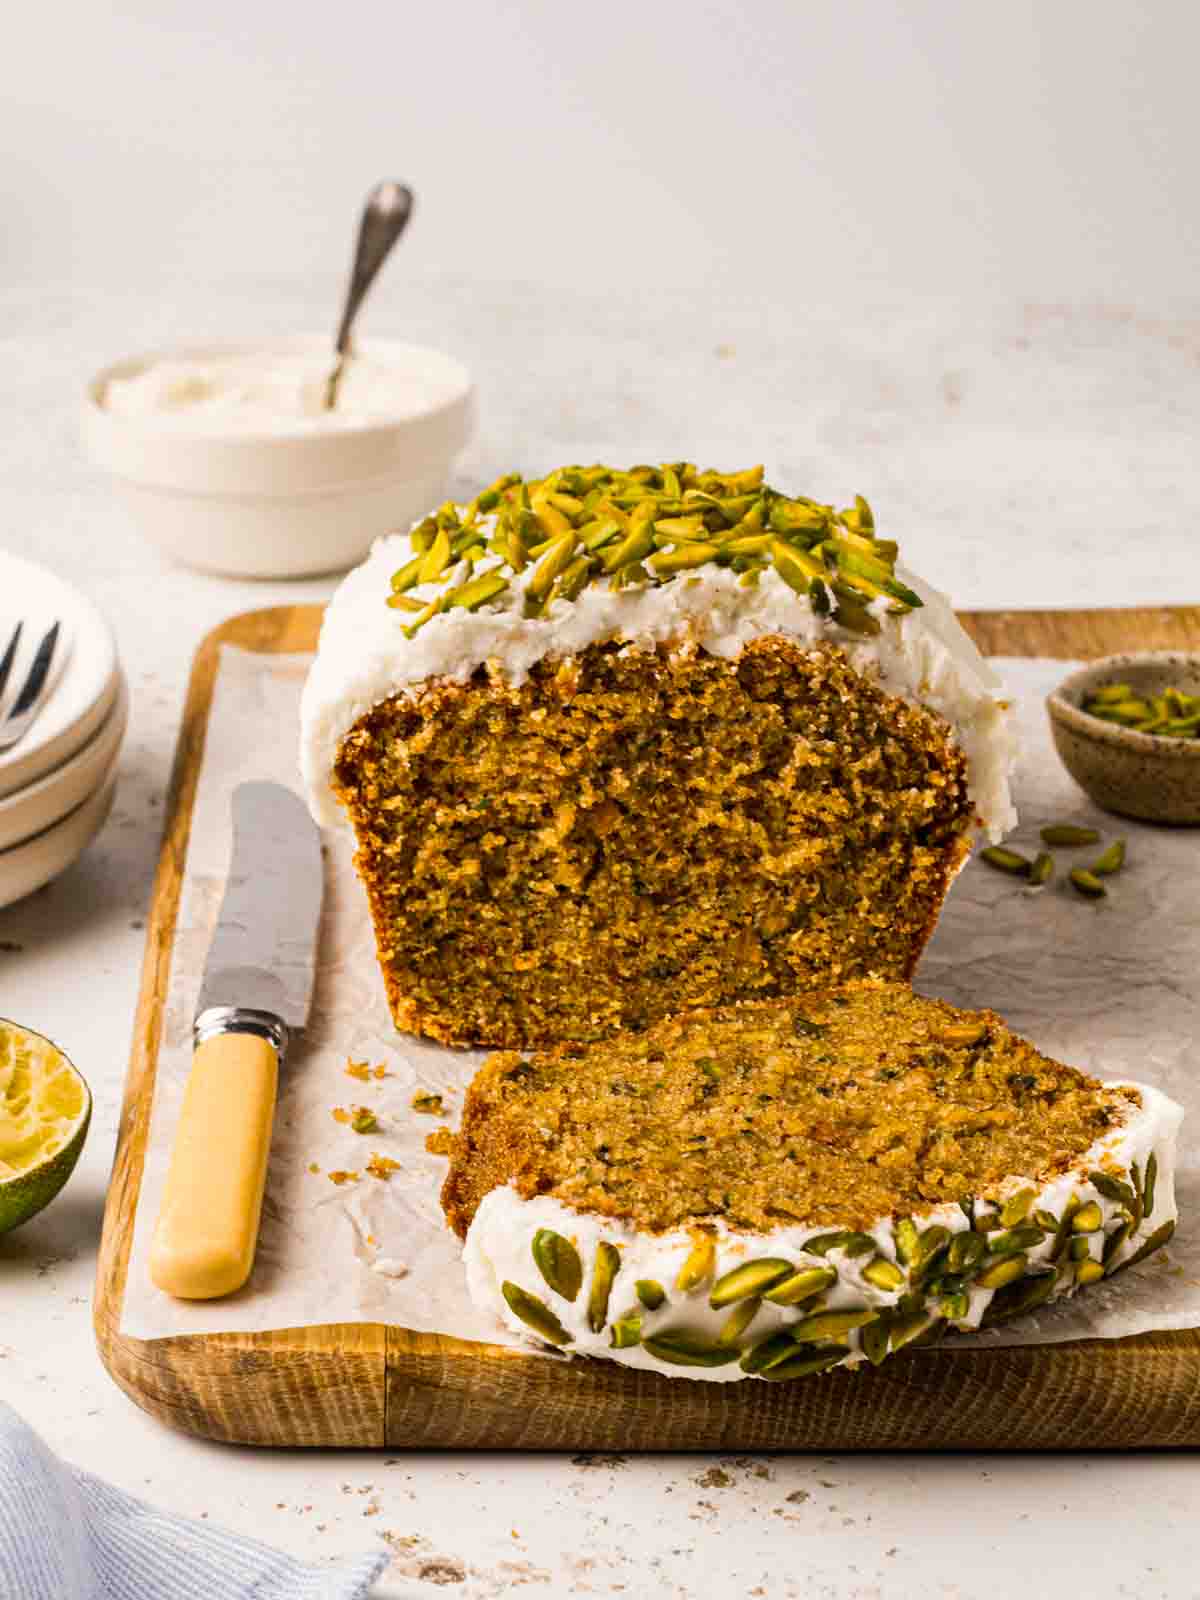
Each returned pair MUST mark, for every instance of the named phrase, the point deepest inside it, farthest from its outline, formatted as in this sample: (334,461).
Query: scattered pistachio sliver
(678,1348)
(751,1278)
(650,1292)
(558,1262)
(1113,1189)
(1016,1208)
(802,1285)
(604,1270)
(1064,836)
(1007,1270)
(803,1365)
(1088,1219)
(698,1265)
(883,1274)
(1148,1183)
(1112,860)
(769,1352)
(534,1313)
(1042,869)
(822,1326)
(626,1331)
(1087,883)
(738,1320)
(1010,861)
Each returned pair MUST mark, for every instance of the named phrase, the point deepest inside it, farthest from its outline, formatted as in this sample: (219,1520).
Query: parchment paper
(1112,986)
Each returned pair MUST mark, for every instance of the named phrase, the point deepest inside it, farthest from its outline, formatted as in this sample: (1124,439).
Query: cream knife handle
(208,1225)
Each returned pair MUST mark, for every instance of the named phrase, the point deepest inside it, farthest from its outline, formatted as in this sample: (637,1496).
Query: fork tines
(28,702)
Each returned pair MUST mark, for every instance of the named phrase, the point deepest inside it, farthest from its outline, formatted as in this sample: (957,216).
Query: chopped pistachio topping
(647,526)
(1173,714)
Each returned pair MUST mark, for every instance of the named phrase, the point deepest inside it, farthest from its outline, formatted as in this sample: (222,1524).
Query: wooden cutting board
(368,1384)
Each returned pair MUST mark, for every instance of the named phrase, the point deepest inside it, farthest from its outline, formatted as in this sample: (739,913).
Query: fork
(23,712)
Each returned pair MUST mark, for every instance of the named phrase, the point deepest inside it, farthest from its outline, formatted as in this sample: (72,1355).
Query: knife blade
(257,987)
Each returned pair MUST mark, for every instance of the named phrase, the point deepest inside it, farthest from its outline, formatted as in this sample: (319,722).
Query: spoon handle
(385,217)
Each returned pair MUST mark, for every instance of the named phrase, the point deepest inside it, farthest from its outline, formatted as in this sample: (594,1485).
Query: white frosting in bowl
(273,389)
(364,657)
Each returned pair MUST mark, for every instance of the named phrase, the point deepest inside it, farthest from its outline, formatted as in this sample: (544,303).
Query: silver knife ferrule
(241,1019)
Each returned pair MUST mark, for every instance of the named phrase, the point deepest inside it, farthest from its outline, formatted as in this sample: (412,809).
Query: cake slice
(617,743)
(775,1189)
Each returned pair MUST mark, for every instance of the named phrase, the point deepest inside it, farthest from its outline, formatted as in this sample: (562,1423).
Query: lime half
(45,1108)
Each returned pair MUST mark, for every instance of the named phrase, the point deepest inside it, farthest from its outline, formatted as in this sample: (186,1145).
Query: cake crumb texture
(834,1109)
(631,832)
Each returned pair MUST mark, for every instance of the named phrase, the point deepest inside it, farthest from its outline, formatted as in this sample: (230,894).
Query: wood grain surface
(368,1384)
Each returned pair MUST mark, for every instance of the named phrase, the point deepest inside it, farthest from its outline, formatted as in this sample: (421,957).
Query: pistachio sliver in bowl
(1151,775)
(719,1187)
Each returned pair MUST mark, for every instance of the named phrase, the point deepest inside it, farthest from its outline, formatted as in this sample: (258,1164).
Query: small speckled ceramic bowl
(1140,775)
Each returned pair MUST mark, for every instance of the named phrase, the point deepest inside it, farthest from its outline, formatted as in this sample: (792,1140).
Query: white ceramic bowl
(28,866)
(292,502)
(39,806)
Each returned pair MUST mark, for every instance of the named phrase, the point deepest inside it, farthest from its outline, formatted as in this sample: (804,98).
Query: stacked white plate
(57,783)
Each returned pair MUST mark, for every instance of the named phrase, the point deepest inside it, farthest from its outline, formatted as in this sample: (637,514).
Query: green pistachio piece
(1112,860)
(1023,1238)
(604,1270)
(801,1285)
(650,1293)
(1149,1183)
(534,1313)
(626,1331)
(1156,1241)
(1063,836)
(679,1348)
(804,1365)
(738,1320)
(823,1326)
(1113,1244)
(778,1347)
(883,1274)
(751,1278)
(558,1262)
(1088,1219)
(1016,1208)
(967,1249)
(1087,884)
(1113,1189)
(478,591)
(874,1338)
(1042,869)
(908,1241)
(682,558)
(1006,1270)
(698,1265)
(851,1244)
(1010,861)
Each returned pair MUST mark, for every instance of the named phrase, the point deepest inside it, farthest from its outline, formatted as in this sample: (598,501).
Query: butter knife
(256,990)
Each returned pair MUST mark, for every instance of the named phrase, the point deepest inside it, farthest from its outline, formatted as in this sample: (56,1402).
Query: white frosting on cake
(924,657)
(498,1249)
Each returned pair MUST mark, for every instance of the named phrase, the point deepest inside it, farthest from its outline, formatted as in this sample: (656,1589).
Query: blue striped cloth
(65,1535)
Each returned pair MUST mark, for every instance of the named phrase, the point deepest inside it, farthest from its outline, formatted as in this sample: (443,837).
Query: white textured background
(806,148)
(943,253)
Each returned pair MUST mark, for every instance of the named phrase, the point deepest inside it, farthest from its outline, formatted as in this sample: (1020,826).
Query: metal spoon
(385,217)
